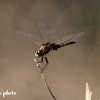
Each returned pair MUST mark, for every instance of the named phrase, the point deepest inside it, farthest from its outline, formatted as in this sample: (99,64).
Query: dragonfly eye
(39,52)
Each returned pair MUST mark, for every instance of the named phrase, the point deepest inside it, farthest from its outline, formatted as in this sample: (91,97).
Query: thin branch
(45,82)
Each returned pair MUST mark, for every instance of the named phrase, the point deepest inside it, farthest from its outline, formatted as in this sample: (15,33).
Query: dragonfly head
(38,53)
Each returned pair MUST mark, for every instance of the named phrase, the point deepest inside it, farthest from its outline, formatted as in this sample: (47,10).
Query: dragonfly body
(46,48)
(49,46)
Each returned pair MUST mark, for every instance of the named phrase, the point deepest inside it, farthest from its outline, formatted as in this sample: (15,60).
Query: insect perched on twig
(46,47)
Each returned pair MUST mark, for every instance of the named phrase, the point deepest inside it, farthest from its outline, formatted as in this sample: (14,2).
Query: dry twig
(45,82)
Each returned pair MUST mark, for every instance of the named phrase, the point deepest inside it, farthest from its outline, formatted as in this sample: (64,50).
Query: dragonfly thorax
(44,49)
(46,43)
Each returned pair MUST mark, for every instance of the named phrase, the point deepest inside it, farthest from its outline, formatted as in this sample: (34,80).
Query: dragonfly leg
(41,60)
(45,65)
(39,63)
(46,59)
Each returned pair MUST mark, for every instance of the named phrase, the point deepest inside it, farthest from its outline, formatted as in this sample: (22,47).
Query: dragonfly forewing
(44,32)
(32,37)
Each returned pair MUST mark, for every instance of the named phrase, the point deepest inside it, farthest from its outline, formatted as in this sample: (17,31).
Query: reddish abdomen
(66,43)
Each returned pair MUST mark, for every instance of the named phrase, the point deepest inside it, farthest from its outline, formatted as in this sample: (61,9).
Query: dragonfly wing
(44,32)
(31,37)
(69,38)
(75,37)
(63,39)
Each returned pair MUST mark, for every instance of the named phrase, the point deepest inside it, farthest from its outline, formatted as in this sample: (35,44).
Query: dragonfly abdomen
(66,43)
(56,46)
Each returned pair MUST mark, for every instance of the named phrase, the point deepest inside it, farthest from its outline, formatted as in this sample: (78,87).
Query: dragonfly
(46,46)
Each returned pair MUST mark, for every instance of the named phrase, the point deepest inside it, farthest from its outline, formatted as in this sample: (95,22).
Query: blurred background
(69,68)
